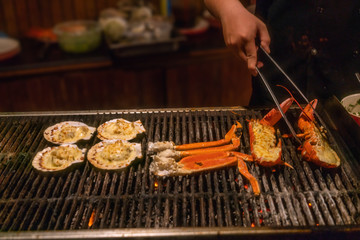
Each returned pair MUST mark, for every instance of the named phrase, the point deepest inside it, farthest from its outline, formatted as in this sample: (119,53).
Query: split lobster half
(315,148)
(263,145)
(200,157)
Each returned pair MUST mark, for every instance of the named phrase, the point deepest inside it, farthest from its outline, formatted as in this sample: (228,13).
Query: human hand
(240,30)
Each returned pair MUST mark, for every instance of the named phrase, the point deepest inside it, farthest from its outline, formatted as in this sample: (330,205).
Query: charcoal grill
(89,204)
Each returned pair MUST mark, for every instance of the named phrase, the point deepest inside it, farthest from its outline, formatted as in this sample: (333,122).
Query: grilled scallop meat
(68,132)
(55,159)
(120,129)
(114,154)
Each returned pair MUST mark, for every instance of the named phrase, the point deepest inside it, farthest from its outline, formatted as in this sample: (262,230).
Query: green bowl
(78,36)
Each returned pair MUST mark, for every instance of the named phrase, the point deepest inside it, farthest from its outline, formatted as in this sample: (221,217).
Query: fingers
(251,56)
(264,38)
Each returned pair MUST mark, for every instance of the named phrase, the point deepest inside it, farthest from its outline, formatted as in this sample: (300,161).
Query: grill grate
(307,196)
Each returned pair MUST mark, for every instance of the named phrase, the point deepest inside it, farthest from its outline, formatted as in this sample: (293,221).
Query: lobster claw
(272,117)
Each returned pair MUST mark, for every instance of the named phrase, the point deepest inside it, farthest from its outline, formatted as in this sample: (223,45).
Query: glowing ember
(246,186)
(310,205)
(156,184)
(261,220)
(274,170)
(252,224)
(92,218)
(317,224)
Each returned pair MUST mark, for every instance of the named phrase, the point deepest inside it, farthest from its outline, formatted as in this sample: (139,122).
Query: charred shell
(114,154)
(68,132)
(59,158)
(120,129)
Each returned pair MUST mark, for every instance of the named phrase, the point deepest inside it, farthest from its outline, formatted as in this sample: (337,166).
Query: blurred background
(110,54)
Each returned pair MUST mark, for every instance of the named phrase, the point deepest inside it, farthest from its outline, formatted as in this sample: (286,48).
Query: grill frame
(182,232)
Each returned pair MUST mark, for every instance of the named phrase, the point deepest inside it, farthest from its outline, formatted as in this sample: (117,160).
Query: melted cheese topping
(120,129)
(264,144)
(59,157)
(116,154)
(68,133)
(324,152)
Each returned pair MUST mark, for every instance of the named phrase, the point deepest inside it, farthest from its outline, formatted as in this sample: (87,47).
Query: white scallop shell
(135,129)
(52,132)
(40,157)
(95,159)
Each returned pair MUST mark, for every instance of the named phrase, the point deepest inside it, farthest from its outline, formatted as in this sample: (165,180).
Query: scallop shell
(54,159)
(114,154)
(120,129)
(68,132)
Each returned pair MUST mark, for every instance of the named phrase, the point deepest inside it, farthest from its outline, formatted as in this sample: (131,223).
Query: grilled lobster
(203,156)
(263,145)
(315,147)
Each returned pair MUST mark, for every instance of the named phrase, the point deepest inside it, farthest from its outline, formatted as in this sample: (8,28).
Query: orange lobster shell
(315,148)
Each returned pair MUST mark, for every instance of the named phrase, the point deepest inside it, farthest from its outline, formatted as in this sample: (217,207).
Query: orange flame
(310,205)
(156,184)
(92,218)
(246,186)
(252,224)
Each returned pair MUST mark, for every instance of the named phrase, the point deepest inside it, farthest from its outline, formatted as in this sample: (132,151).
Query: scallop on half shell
(68,132)
(120,129)
(55,159)
(114,154)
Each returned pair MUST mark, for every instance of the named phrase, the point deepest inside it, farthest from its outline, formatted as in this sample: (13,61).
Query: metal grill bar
(305,197)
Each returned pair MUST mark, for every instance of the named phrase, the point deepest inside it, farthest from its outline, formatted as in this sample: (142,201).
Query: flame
(317,224)
(156,185)
(274,170)
(92,218)
(246,186)
(252,224)
(309,204)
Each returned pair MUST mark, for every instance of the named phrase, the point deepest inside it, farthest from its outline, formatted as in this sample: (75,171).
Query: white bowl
(352,105)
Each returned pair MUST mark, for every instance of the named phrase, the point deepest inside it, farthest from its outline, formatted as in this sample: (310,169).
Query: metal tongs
(275,99)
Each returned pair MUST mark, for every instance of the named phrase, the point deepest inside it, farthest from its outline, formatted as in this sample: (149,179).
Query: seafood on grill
(68,132)
(230,142)
(55,159)
(315,147)
(263,145)
(120,129)
(200,157)
(114,154)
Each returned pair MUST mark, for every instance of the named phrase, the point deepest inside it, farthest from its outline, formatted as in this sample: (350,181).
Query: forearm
(240,29)
(222,8)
